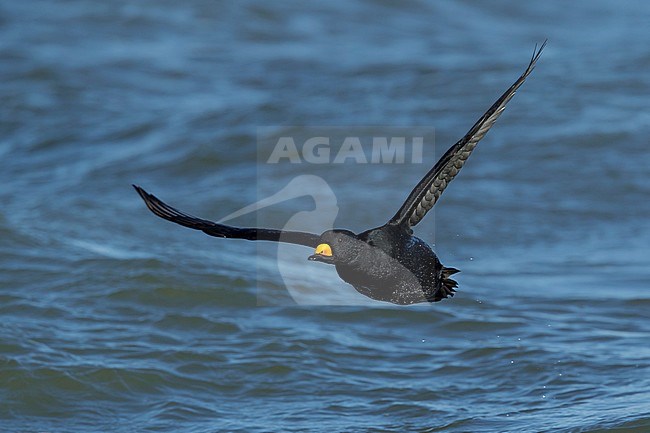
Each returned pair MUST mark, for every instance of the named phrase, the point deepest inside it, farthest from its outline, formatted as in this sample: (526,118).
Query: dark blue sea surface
(112,320)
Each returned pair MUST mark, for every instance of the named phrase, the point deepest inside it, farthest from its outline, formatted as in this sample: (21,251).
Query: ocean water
(112,320)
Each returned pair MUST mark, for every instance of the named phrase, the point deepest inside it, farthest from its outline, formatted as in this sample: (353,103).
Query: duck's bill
(323,253)
(321,258)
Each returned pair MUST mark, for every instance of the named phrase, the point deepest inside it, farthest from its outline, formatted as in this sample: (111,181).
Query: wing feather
(427,192)
(163,210)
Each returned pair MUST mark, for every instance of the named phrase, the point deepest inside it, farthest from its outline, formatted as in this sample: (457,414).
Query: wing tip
(537,52)
(166,212)
(141,192)
(145,196)
(155,205)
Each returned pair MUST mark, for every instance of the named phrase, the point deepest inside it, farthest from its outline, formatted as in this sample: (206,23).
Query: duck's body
(389,264)
(386,263)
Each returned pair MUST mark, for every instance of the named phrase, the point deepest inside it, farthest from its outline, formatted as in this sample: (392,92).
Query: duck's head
(336,246)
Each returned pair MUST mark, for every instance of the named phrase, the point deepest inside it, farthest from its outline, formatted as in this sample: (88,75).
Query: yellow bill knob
(324,250)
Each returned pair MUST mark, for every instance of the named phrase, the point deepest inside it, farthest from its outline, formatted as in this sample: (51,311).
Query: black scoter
(386,263)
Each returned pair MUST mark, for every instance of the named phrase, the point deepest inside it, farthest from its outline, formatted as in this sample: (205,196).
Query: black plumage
(386,263)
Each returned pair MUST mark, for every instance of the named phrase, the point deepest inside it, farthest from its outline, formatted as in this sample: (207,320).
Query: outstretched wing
(429,189)
(167,212)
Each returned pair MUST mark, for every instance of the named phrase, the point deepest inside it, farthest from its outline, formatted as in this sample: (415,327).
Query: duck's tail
(448,286)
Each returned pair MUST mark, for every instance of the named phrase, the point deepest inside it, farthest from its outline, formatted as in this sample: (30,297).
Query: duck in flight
(386,263)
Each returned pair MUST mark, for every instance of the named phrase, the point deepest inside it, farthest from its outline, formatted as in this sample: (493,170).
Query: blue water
(114,320)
